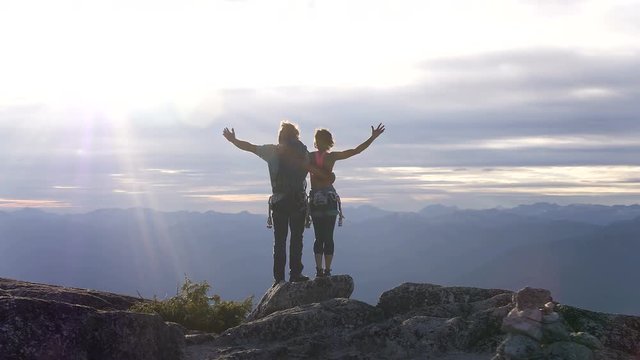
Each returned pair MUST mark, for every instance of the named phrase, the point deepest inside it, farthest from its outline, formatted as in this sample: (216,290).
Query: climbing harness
(300,197)
(324,198)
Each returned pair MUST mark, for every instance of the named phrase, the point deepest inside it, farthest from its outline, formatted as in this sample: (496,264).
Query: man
(288,168)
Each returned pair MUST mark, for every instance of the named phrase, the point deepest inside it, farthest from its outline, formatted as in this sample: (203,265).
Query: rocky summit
(421,321)
(44,322)
(318,320)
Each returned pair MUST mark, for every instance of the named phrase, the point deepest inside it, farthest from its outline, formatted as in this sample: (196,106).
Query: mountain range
(585,254)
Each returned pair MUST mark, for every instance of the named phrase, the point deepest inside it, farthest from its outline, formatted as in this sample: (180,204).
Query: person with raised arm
(324,200)
(288,163)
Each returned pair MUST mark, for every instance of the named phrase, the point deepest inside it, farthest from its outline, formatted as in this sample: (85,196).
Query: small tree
(195,310)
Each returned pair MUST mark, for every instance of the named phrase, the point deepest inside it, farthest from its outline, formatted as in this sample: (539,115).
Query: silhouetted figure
(288,167)
(324,200)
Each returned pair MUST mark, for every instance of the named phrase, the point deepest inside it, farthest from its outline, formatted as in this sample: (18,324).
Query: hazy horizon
(347,207)
(582,254)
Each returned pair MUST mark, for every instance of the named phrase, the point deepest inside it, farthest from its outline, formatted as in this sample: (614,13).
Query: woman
(324,201)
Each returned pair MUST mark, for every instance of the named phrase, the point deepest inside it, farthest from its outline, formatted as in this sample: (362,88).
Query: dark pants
(323,227)
(288,213)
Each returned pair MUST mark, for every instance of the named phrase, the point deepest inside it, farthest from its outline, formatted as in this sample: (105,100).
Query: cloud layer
(514,101)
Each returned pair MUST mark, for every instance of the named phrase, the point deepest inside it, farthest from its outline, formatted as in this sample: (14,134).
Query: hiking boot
(277,282)
(298,278)
(327,272)
(319,272)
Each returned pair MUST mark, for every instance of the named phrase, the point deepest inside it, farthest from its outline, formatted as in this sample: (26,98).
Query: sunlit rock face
(49,322)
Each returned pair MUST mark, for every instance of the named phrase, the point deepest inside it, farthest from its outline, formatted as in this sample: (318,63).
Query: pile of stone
(536,331)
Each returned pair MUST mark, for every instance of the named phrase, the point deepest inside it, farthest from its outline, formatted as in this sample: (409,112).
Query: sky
(118,104)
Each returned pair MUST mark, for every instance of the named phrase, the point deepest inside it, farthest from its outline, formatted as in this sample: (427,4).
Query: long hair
(288,132)
(291,174)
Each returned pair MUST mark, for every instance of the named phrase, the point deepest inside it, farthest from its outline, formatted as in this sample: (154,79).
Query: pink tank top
(320,159)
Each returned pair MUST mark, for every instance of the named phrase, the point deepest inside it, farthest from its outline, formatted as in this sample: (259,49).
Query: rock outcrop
(98,300)
(537,328)
(425,321)
(317,320)
(409,322)
(50,322)
(536,331)
(618,334)
(286,295)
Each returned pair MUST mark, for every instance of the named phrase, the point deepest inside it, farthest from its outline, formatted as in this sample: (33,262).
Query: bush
(193,309)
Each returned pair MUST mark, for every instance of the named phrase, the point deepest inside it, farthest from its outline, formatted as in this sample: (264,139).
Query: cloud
(472,117)
(235,198)
(547,180)
(170,171)
(543,70)
(32,203)
(626,17)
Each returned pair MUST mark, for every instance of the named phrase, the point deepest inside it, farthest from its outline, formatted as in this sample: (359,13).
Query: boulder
(530,298)
(619,334)
(33,328)
(423,321)
(410,296)
(329,316)
(565,350)
(346,328)
(95,299)
(587,340)
(555,331)
(524,322)
(287,295)
(551,318)
(516,347)
(305,331)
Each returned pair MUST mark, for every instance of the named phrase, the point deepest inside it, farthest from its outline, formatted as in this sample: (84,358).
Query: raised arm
(341,155)
(240,144)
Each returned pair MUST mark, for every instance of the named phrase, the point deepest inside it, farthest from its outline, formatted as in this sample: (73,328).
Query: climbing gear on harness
(326,202)
(340,214)
(270,216)
(300,197)
(307,214)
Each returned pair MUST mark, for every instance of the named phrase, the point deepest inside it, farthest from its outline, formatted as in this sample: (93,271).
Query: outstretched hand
(229,134)
(377,131)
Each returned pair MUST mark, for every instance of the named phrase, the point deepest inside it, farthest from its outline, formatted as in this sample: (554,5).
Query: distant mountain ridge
(587,213)
(593,214)
(561,248)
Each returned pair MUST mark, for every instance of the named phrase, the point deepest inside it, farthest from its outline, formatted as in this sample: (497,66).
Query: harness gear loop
(270,217)
(307,215)
(340,215)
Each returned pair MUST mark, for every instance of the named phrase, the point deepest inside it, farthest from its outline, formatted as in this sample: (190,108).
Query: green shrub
(193,309)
